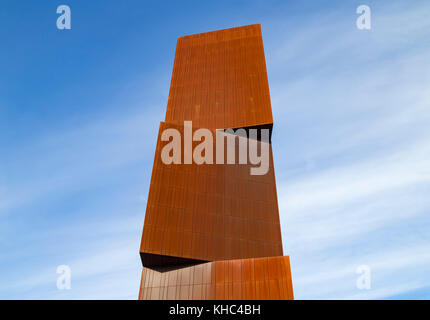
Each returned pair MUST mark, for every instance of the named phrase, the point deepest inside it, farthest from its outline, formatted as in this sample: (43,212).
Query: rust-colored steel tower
(212,231)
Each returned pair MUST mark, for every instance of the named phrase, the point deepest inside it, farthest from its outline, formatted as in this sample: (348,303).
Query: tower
(212,231)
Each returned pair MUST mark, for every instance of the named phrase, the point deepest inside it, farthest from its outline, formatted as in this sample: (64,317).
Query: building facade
(212,230)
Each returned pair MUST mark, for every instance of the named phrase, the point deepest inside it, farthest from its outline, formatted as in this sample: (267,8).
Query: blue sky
(79,114)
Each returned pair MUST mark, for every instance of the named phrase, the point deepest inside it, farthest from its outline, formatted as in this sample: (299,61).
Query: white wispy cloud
(352,150)
(93,171)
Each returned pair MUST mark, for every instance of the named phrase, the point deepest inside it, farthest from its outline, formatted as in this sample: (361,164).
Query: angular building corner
(212,231)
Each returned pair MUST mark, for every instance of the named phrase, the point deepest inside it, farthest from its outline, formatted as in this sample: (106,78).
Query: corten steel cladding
(212,231)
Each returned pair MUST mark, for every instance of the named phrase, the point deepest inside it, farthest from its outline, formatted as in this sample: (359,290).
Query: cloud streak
(353,166)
